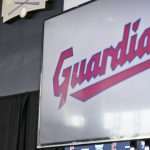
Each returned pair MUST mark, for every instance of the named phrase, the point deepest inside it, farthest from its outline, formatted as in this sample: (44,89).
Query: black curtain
(19,122)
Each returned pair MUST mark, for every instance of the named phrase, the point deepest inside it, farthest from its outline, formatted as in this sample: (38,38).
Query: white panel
(68,4)
(110,42)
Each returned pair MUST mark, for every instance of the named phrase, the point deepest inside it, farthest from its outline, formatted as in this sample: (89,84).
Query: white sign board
(96,74)
(13,8)
(68,4)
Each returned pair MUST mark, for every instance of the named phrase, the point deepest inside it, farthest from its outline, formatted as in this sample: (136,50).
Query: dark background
(20,61)
(18,122)
(21,50)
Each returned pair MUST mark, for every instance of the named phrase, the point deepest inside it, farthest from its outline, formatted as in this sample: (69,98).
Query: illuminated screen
(96,74)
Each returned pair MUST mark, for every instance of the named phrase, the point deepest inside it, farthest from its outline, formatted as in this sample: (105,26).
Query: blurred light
(77,121)
(144,122)
(147,148)
(110,19)
(127,123)
(108,120)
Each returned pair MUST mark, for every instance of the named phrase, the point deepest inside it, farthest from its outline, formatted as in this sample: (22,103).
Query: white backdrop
(68,4)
